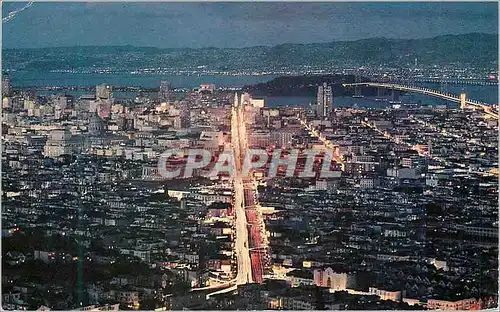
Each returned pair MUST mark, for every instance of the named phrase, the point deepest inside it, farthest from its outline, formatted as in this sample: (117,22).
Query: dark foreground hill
(306,85)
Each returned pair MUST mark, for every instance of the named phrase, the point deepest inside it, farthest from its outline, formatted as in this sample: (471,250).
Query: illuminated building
(103,92)
(164,94)
(324,101)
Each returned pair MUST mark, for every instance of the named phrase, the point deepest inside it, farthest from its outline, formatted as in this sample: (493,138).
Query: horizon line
(237,48)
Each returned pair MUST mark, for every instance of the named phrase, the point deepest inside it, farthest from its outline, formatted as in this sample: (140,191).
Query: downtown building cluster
(410,220)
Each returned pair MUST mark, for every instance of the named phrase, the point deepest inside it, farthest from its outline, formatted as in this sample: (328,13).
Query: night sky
(237,24)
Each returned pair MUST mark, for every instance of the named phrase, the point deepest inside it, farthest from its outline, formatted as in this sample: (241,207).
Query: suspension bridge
(461,99)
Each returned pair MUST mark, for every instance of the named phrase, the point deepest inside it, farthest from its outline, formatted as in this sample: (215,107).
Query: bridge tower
(380,92)
(443,88)
(357,89)
(463,98)
(394,95)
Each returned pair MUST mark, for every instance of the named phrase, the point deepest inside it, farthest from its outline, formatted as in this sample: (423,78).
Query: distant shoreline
(369,39)
(451,55)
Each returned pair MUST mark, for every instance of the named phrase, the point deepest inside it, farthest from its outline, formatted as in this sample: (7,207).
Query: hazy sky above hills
(237,24)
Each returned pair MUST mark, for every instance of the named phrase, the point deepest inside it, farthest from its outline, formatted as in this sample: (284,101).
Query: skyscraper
(164,94)
(104,100)
(5,85)
(104,92)
(324,101)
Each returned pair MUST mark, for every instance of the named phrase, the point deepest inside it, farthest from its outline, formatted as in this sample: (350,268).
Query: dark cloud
(238,24)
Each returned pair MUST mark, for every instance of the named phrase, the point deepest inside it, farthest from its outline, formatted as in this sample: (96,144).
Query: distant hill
(477,49)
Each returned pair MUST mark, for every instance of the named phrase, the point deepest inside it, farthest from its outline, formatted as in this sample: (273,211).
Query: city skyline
(144,169)
(232,25)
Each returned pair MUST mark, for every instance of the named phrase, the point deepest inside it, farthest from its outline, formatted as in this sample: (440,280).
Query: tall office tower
(62,101)
(246,99)
(242,101)
(164,94)
(103,91)
(184,114)
(5,85)
(324,101)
